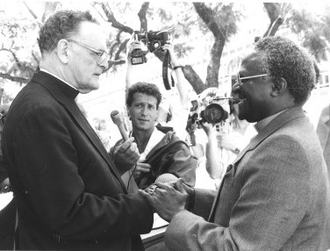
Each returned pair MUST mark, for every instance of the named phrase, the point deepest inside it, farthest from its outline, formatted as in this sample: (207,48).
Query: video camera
(154,40)
(213,113)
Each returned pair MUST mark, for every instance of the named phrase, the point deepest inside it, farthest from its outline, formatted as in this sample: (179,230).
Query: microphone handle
(117,120)
(122,132)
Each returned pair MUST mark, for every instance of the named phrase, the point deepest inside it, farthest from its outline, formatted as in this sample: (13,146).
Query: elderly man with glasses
(274,196)
(69,192)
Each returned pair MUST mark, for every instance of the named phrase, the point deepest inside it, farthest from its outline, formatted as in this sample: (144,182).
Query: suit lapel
(230,170)
(275,124)
(52,85)
(279,121)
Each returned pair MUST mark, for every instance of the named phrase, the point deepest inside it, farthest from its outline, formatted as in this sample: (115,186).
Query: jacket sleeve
(203,202)
(183,163)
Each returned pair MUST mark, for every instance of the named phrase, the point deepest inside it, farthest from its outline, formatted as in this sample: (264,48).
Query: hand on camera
(132,45)
(209,129)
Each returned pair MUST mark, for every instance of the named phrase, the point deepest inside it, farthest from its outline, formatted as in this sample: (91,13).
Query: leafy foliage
(314,31)
(213,23)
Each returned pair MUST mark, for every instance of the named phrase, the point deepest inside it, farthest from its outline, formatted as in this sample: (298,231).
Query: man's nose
(144,110)
(106,65)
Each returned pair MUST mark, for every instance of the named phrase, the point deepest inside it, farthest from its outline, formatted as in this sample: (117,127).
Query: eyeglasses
(102,56)
(239,79)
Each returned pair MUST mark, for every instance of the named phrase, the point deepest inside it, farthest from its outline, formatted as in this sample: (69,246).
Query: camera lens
(214,114)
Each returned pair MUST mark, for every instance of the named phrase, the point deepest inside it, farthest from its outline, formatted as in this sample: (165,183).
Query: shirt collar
(264,122)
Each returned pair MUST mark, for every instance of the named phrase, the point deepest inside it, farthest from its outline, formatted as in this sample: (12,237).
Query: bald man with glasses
(274,196)
(69,192)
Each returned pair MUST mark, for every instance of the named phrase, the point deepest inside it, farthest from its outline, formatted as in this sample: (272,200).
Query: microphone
(163,178)
(118,120)
(166,178)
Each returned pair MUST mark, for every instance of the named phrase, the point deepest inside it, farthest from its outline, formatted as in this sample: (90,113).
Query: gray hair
(284,59)
(60,25)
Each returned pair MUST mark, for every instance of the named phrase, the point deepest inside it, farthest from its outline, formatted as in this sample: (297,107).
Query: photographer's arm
(213,165)
(182,103)
(129,73)
(182,84)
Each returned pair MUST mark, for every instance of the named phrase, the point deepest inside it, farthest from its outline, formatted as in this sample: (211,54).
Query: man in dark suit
(275,194)
(69,192)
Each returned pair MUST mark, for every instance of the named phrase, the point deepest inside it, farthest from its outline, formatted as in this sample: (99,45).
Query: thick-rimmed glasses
(239,79)
(102,56)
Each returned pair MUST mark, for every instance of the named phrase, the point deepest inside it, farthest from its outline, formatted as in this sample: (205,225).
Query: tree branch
(33,14)
(143,16)
(274,14)
(111,19)
(194,79)
(214,65)
(14,79)
(208,17)
(18,63)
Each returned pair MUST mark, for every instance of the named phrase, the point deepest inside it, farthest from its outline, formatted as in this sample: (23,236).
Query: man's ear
(62,51)
(279,87)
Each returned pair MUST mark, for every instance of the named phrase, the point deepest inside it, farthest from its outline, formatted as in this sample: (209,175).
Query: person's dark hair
(284,59)
(61,25)
(145,88)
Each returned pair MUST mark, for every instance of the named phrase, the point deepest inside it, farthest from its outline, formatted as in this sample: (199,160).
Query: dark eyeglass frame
(102,56)
(239,79)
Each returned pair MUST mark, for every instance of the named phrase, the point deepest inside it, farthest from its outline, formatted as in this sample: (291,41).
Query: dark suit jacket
(169,155)
(273,197)
(69,193)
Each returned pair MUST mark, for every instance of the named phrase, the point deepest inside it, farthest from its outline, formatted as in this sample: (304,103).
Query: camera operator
(222,148)
(178,97)
(159,134)
(225,139)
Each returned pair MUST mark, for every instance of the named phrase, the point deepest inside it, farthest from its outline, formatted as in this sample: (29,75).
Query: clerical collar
(44,70)
(66,87)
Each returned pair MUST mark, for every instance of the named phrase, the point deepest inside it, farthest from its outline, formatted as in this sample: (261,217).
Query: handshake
(169,196)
